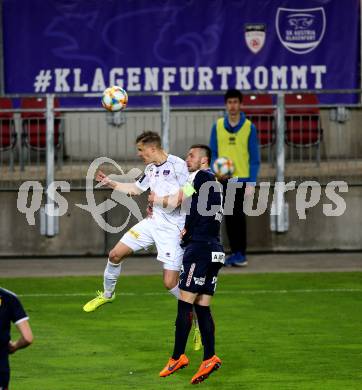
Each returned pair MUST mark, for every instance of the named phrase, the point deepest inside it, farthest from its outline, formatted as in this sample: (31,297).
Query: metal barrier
(325,145)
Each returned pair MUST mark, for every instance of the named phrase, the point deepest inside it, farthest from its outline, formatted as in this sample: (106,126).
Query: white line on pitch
(246,292)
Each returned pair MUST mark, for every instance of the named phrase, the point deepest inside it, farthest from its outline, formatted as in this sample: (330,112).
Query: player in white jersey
(165,174)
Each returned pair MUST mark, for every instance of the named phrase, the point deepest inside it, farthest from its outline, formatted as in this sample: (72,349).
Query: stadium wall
(80,235)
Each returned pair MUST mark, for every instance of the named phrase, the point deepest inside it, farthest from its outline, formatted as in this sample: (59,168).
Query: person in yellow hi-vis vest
(235,137)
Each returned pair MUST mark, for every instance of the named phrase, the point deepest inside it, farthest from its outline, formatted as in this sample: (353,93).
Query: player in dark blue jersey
(203,258)
(11,311)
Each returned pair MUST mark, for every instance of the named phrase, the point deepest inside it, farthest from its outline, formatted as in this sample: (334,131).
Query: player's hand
(11,347)
(223,178)
(104,179)
(149,210)
(151,197)
(183,232)
(249,190)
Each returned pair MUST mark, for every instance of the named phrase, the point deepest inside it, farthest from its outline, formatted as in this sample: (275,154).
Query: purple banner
(80,46)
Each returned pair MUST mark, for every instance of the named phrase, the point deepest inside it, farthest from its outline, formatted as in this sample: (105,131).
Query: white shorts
(166,237)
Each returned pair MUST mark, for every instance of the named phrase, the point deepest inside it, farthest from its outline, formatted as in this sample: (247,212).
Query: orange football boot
(207,367)
(174,365)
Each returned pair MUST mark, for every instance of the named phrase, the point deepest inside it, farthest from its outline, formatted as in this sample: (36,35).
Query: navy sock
(207,330)
(183,327)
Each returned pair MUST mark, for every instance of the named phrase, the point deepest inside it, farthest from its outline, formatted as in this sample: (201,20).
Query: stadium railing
(303,123)
(83,133)
(33,132)
(260,110)
(7,131)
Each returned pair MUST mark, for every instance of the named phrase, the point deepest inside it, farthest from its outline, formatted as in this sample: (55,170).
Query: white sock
(175,291)
(111,274)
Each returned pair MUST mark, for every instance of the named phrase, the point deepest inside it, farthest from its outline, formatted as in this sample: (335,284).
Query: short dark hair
(206,150)
(233,93)
(149,137)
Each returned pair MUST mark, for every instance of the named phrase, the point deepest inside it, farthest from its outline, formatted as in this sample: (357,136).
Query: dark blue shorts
(200,267)
(4,379)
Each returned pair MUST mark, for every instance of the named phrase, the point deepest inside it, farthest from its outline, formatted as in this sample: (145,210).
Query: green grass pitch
(273,331)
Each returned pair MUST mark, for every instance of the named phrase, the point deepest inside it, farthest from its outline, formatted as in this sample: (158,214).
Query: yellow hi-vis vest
(235,146)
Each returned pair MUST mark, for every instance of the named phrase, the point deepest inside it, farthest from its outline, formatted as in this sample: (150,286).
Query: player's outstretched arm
(127,188)
(174,200)
(25,339)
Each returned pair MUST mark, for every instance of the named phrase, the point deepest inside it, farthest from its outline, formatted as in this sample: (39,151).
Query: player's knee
(29,339)
(114,256)
(169,283)
(170,279)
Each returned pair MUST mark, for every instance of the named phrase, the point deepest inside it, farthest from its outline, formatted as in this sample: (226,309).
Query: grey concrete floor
(145,265)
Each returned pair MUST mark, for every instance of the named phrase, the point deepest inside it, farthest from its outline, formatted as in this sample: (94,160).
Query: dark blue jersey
(11,311)
(204,217)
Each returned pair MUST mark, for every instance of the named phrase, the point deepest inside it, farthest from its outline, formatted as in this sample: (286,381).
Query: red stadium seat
(34,123)
(7,129)
(303,125)
(259,109)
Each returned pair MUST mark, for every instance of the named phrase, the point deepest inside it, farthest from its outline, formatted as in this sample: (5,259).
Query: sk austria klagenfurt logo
(300,30)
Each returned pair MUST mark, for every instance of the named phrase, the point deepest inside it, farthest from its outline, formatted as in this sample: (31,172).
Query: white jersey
(165,179)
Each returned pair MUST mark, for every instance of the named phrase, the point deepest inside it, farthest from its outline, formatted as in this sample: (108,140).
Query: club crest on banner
(255,36)
(300,30)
